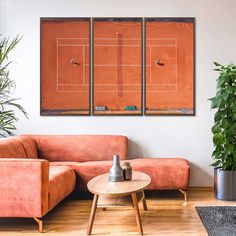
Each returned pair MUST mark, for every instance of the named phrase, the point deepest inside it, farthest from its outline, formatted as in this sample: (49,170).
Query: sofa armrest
(23,187)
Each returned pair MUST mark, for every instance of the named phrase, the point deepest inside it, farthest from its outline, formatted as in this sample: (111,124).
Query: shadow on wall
(203,178)
(135,150)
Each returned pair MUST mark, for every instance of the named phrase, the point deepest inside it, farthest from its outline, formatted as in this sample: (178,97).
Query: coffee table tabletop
(101,187)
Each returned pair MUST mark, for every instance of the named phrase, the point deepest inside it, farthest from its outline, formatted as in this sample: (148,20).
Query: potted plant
(224,133)
(8,104)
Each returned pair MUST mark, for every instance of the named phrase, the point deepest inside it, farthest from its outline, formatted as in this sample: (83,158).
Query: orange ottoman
(166,173)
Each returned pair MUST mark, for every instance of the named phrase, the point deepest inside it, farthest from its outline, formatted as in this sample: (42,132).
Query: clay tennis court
(65,67)
(118,66)
(169,66)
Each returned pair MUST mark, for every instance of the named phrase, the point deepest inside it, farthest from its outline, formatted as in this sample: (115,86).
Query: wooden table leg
(137,213)
(92,214)
(144,202)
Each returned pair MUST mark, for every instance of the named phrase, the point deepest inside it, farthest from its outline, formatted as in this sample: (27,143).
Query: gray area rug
(218,220)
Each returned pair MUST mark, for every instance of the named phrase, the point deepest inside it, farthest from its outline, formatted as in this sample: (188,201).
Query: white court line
(115,38)
(176,61)
(137,90)
(159,45)
(127,45)
(57,66)
(114,45)
(83,65)
(73,38)
(150,70)
(72,91)
(116,65)
(138,84)
(115,90)
(116,84)
(72,45)
(73,84)
(159,38)
(153,91)
(162,91)
(133,38)
(134,91)
(85,45)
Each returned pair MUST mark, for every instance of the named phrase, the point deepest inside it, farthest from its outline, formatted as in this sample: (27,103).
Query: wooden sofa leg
(185,196)
(40,224)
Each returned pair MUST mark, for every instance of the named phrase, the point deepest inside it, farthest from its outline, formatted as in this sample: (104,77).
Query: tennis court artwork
(169,66)
(65,66)
(117,67)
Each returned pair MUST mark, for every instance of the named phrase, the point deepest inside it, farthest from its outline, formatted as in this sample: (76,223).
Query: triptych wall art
(117,66)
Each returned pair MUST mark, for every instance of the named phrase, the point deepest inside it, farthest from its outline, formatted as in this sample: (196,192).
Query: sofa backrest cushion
(18,147)
(29,146)
(80,148)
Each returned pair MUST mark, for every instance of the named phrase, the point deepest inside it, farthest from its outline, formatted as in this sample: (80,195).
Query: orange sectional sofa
(38,171)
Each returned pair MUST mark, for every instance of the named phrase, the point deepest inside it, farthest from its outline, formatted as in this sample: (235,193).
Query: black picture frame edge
(64,19)
(170,19)
(165,19)
(117,18)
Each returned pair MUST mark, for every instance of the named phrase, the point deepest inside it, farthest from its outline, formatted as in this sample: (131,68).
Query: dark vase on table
(127,171)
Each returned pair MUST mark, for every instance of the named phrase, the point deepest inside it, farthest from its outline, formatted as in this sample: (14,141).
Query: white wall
(187,137)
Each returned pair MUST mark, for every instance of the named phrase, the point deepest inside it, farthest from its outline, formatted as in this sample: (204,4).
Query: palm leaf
(8,105)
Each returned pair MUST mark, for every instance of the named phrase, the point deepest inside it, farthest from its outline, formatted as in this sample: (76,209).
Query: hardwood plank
(165,216)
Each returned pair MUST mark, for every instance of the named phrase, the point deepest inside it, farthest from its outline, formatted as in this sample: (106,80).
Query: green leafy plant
(8,105)
(224,129)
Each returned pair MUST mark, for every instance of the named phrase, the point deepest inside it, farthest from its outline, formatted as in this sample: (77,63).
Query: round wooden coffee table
(107,194)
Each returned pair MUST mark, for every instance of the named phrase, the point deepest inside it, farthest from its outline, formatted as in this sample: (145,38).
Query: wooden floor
(166,216)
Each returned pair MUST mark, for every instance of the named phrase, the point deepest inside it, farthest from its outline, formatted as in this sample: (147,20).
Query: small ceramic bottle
(116,173)
(127,171)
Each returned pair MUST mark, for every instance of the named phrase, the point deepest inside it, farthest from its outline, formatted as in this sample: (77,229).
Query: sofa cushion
(64,163)
(85,171)
(29,146)
(11,147)
(18,147)
(166,173)
(61,183)
(80,147)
